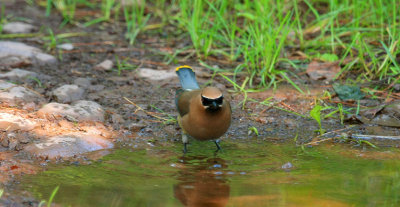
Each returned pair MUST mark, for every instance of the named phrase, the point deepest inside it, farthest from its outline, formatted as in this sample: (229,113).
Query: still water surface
(243,174)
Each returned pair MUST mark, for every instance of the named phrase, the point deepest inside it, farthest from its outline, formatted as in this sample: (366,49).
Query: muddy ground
(140,123)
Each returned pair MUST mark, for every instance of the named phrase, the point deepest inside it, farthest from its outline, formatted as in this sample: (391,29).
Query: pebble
(287,166)
(106,65)
(18,28)
(82,82)
(66,46)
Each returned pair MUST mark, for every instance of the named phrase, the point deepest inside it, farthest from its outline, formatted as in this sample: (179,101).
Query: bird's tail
(187,77)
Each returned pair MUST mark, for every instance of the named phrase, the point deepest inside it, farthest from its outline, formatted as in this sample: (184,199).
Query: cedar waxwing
(204,114)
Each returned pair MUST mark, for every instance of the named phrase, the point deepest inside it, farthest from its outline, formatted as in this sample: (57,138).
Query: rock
(156,75)
(18,27)
(68,145)
(13,94)
(14,61)
(94,109)
(13,122)
(18,75)
(68,93)
(106,65)
(82,82)
(15,53)
(66,46)
(96,88)
(80,111)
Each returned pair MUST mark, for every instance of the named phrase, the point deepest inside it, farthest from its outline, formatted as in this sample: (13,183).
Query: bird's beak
(214,106)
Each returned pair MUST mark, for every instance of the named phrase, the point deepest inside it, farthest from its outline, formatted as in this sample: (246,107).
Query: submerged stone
(68,145)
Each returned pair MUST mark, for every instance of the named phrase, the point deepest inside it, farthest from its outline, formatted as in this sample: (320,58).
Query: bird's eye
(219,100)
(206,101)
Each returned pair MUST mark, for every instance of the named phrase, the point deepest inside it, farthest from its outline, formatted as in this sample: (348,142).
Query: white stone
(66,46)
(105,65)
(156,74)
(80,110)
(14,50)
(18,27)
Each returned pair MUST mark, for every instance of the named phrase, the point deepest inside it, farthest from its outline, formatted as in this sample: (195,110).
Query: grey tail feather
(188,79)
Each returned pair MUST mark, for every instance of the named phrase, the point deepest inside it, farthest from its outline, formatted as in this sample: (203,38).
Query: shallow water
(255,173)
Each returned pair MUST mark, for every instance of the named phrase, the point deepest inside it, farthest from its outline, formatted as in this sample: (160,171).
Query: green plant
(315,113)
(360,142)
(1,192)
(51,40)
(106,7)
(123,65)
(50,201)
(65,7)
(135,20)
(169,120)
(253,130)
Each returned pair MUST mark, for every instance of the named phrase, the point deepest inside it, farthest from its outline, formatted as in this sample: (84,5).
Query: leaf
(315,113)
(347,92)
(319,71)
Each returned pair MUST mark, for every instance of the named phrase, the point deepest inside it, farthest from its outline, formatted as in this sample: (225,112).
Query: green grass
(258,35)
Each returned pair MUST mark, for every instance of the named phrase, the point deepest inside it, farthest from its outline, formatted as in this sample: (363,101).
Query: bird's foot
(218,146)
(185,141)
(185,148)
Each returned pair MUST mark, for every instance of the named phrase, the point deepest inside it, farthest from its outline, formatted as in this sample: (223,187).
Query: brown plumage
(204,114)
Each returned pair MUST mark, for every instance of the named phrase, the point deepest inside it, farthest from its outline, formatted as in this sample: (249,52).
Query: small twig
(287,106)
(138,108)
(327,139)
(371,137)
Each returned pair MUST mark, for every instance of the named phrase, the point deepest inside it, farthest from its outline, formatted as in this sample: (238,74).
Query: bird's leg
(217,143)
(185,142)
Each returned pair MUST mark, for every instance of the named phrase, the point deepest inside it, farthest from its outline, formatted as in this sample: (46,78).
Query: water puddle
(243,174)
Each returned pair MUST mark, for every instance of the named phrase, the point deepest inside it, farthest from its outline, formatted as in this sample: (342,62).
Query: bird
(204,113)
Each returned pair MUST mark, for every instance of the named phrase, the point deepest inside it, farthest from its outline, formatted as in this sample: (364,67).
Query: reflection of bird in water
(202,184)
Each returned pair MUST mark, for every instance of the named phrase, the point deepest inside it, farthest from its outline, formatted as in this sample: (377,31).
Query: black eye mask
(209,102)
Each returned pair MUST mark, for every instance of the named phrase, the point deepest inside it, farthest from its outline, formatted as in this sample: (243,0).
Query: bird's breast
(205,125)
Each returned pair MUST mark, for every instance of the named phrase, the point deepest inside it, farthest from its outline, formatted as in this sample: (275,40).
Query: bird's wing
(183,99)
